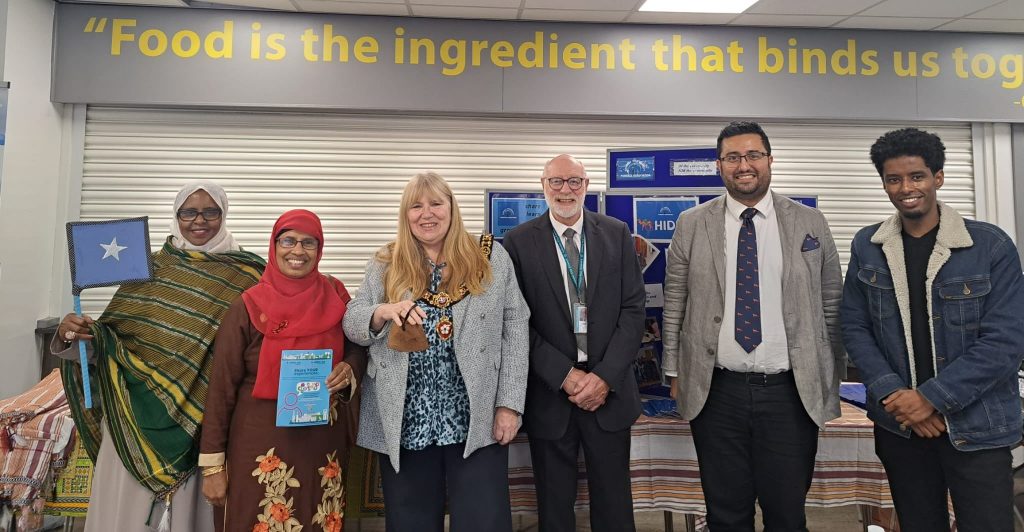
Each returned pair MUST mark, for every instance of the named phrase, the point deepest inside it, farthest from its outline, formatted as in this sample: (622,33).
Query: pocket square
(810,244)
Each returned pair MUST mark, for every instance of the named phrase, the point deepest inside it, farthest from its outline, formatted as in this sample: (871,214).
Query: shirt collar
(560,227)
(764,207)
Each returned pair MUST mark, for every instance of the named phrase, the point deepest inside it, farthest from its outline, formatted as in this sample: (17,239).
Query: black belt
(580,365)
(756,379)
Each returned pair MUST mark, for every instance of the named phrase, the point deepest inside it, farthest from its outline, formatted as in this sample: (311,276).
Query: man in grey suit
(580,276)
(751,338)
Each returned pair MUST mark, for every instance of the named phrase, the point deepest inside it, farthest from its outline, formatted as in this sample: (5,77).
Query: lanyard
(575,275)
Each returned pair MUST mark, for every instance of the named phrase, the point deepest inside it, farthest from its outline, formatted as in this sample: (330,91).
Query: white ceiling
(1001,16)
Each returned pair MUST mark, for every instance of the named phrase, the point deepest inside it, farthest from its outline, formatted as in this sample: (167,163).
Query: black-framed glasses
(209,214)
(750,156)
(288,242)
(574,182)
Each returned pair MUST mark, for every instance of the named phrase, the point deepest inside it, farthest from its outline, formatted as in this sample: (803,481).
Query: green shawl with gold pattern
(153,348)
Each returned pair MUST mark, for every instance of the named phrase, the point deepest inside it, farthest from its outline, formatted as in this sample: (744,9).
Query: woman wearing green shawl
(150,366)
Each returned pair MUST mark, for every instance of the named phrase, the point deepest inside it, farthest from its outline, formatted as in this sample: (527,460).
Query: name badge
(579,318)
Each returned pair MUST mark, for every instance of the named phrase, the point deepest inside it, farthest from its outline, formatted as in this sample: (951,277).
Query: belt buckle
(580,365)
(757,379)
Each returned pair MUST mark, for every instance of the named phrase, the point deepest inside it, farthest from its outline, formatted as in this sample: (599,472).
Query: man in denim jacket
(932,317)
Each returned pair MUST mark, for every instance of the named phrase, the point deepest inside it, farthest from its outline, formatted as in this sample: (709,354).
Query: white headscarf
(222,241)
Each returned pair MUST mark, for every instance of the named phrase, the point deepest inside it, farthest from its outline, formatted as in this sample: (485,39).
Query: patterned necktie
(748,297)
(573,254)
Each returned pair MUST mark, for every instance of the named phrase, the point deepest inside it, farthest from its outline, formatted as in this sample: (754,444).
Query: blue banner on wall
(634,169)
(507,213)
(656,217)
(505,210)
(663,168)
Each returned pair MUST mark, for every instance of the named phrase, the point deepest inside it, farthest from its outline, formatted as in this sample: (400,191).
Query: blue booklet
(302,396)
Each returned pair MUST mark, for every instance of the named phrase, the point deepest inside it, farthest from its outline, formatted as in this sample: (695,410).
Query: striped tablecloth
(665,476)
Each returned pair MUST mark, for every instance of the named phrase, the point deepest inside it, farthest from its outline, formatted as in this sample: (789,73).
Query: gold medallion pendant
(444,328)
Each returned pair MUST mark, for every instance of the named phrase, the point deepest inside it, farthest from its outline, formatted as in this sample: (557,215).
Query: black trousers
(922,470)
(606,455)
(755,441)
(476,488)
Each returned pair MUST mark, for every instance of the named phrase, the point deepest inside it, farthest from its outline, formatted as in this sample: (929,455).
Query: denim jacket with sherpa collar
(975,294)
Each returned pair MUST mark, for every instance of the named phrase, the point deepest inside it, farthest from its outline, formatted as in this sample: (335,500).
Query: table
(665,475)
(664,472)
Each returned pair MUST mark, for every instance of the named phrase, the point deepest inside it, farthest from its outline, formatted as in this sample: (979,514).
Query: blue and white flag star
(92,245)
(112,249)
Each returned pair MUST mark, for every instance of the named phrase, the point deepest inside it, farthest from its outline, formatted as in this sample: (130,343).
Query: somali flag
(109,252)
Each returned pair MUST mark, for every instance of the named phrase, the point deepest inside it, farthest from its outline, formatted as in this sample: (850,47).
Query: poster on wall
(663,168)
(509,212)
(507,209)
(655,218)
(646,252)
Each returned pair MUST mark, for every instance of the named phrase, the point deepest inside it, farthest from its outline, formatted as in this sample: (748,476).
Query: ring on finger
(69,334)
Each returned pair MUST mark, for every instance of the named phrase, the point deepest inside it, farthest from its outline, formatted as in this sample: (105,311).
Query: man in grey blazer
(581,390)
(751,338)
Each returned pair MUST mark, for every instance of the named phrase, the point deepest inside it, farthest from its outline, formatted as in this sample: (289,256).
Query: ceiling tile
(574,15)
(810,7)
(597,5)
(465,12)
(932,8)
(796,21)
(984,25)
(275,5)
(467,3)
(648,17)
(892,23)
(1008,9)
(353,8)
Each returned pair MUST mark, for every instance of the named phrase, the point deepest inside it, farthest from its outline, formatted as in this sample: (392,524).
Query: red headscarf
(292,313)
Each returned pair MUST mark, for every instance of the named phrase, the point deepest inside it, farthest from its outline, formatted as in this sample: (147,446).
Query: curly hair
(909,142)
(742,128)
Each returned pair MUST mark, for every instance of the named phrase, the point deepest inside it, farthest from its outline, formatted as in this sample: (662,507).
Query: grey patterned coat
(492,347)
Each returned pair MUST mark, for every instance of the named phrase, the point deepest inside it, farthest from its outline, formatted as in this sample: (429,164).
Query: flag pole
(83,359)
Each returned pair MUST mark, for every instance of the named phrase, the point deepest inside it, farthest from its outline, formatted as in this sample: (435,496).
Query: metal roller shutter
(350,168)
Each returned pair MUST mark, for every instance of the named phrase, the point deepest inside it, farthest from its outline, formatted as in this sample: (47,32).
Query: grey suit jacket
(812,282)
(492,346)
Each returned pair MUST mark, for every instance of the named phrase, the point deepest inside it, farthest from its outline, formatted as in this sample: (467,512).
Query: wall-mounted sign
(656,217)
(135,55)
(507,209)
(690,168)
(634,169)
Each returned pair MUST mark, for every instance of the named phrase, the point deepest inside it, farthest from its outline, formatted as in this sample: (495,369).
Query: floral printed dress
(279,479)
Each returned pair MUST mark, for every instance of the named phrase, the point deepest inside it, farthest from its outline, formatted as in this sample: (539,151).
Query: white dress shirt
(560,229)
(772,354)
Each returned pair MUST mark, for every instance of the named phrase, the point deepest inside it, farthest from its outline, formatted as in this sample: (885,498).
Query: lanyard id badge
(575,273)
(579,318)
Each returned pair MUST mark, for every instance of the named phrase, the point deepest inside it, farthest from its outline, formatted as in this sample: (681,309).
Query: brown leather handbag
(408,338)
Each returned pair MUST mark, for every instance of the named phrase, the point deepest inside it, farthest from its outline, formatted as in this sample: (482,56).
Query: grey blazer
(812,282)
(492,347)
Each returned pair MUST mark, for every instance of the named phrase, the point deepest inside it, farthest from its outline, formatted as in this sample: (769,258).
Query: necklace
(442,299)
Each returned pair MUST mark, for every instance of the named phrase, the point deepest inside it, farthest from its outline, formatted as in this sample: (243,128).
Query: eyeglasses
(751,157)
(289,242)
(210,214)
(574,182)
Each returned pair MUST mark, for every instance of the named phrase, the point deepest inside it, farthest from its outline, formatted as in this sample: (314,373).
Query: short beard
(566,212)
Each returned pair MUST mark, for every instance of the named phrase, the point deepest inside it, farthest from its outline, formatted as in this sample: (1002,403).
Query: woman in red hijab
(261,476)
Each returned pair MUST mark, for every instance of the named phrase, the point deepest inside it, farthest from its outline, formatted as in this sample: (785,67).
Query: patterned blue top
(436,400)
